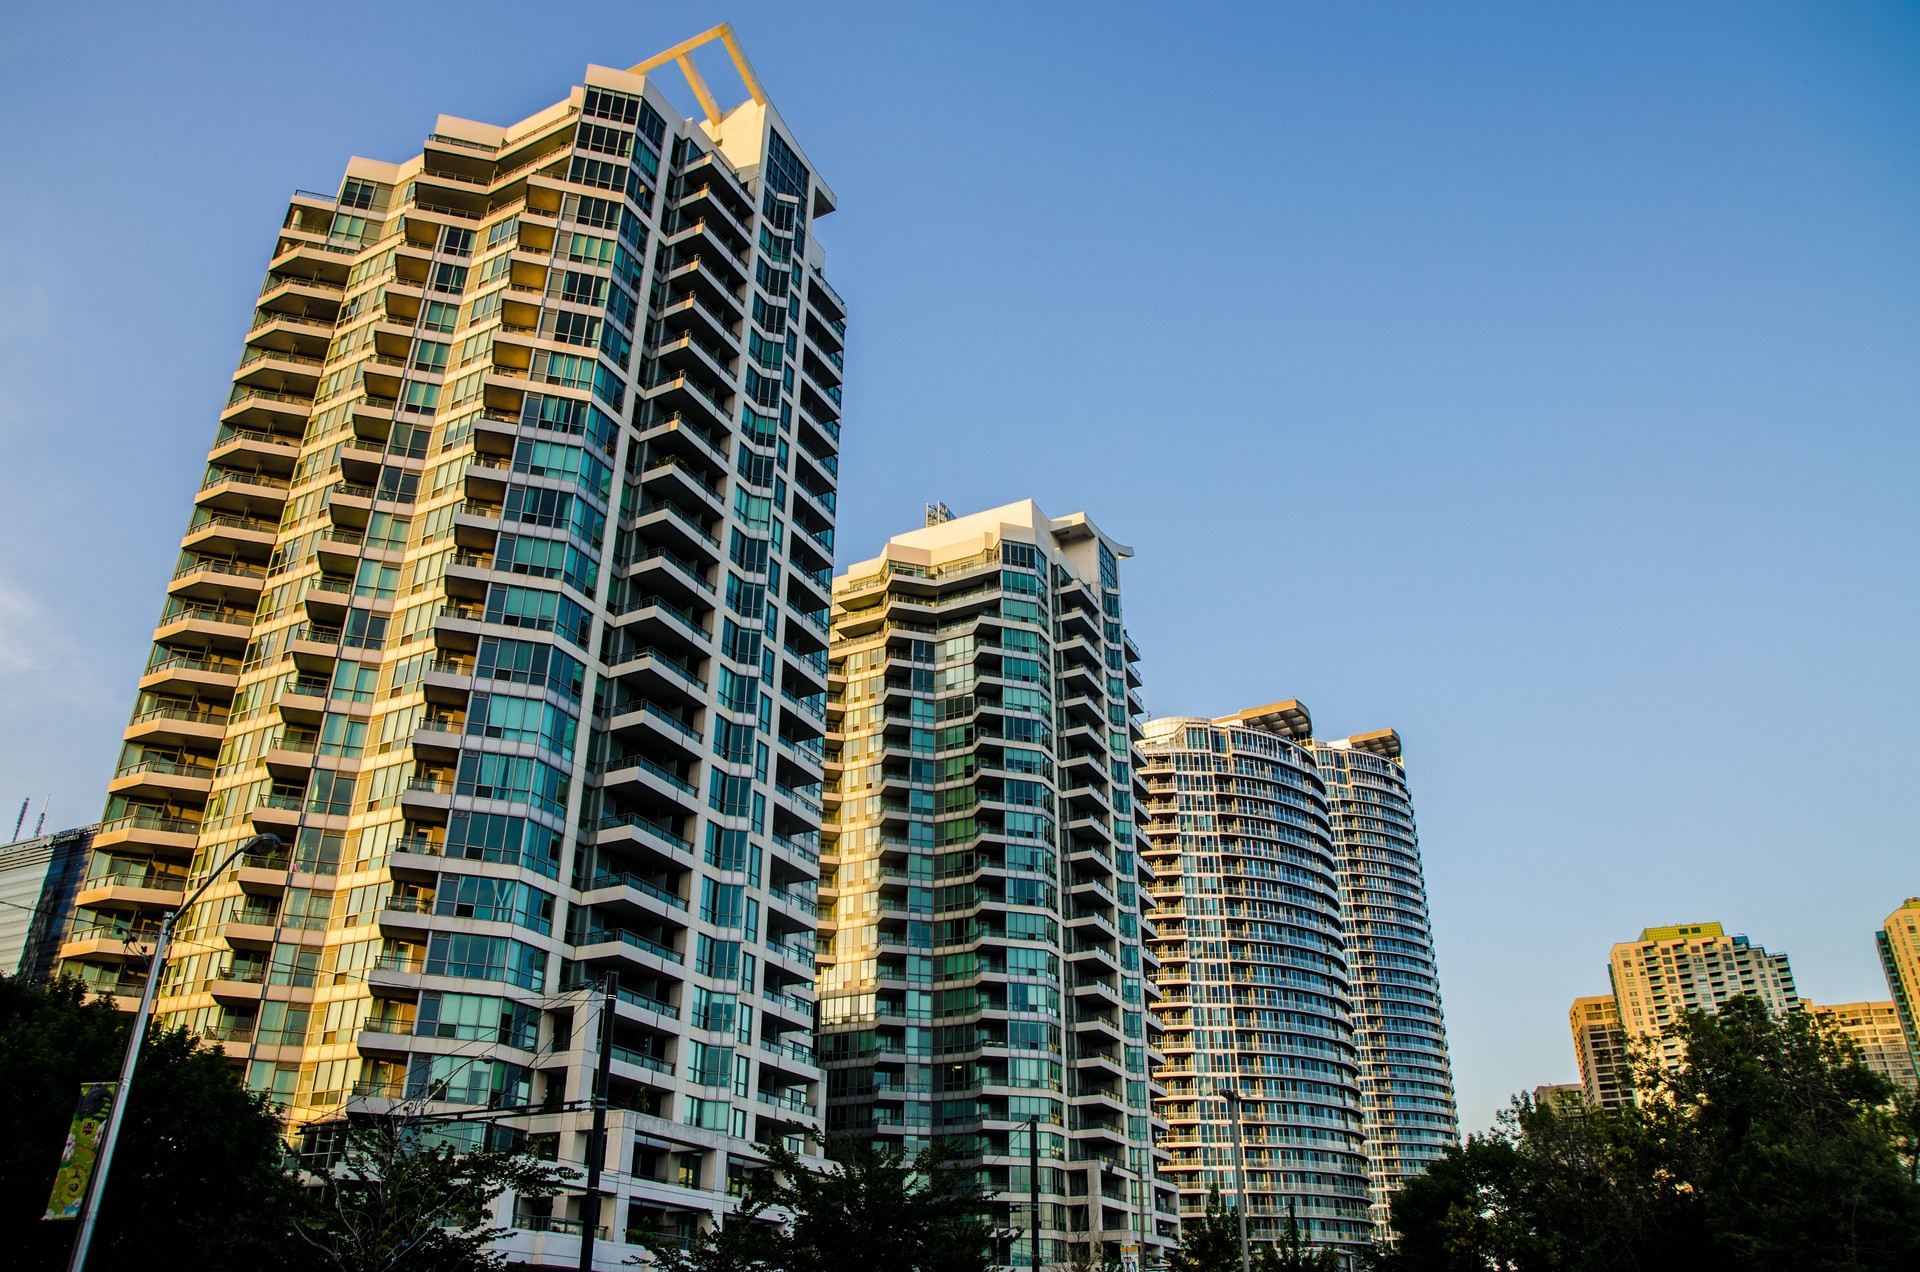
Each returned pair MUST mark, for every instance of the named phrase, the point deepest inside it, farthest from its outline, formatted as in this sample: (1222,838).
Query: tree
(1767,1144)
(1292,1253)
(402,1194)
(197,1179)
(739,1242)
(1089,1256)
(1210,1243)
(870,1208)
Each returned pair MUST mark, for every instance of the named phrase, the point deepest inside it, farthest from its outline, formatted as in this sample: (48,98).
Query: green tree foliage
(1088,1256)
(1767,1146)
(739,1243)
(1210,1243)
(197,1181)
(1292,1253)
(869,1208)
(401,1196)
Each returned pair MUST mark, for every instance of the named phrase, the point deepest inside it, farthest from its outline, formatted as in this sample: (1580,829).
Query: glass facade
(1256,995)
(984,975)
(1406,1080)
(504,605)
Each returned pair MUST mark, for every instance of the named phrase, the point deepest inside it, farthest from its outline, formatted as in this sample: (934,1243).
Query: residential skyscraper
(1898,941)
(1406,1081)
(983,970)
(1671,970)
(503,603)
(1600,1045)
(1256,994)
(39,881)
(1875,1029)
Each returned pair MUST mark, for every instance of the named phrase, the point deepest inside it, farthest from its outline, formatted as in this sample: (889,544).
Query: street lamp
(1232,1097)
(98,1185)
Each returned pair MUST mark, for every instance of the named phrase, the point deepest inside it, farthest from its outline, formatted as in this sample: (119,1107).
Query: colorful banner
(83,1142)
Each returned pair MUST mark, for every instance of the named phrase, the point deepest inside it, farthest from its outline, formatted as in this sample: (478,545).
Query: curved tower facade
(1255,997)
(1406,1083)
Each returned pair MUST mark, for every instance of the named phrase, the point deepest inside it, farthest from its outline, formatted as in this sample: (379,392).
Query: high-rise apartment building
(40,878)
(1406,1081)
(503,603)
(1671,970)
(1898,941)
(1874,1028)
(1600,1046)
(984,976)
(1256,994)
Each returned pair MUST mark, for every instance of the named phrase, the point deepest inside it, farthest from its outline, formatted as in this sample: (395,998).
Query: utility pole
(597,1141)
(1033,1191)
(1232,1096)
(97,1186)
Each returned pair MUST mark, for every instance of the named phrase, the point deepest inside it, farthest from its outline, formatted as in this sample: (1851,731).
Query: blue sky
(1537,380)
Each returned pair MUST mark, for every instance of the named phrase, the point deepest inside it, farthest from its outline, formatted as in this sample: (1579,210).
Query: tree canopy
(1766,1145)
(869,1207)
(197,1181)
(402,1196)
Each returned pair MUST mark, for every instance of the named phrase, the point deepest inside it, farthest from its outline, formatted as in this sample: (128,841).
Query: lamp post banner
(83,1143)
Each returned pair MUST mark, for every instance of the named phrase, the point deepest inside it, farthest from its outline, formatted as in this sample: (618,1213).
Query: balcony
(177,725)
(220,583)
(225,534)
(242,492)
(689,437)
(161,780)
(671,526)
(683,393)
(709,280)
(180,675)
(130,887)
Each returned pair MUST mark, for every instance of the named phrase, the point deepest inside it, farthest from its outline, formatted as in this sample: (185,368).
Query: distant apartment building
(503,605)
(1656,981)
(1296,969)
(1561,1097)
(985,975)
(1898,941)
(1875,1029)
(1600,1046)
(40,880)
(1692,966)
(1406,1078)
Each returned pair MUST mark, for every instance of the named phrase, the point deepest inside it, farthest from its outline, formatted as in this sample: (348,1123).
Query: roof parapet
(1289,719)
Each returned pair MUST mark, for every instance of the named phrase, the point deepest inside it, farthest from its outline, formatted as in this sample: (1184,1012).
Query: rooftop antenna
(42,823)
(21,820)
(938,513)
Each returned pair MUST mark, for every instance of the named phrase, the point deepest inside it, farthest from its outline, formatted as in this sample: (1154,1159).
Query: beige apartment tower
(1600,1045)
(1671,970)
(1898,941)
(1875,1029)
(985,971)
(1656,981)
(503,604)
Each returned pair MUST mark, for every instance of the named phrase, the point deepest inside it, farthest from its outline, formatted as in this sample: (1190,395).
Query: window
(494,900)
(605,140)
(722,904)
(604,103)
(486,958)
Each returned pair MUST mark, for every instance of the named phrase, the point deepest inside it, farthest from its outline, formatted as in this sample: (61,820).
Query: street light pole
(597,1140)
(1232,1096)
(1033,1191)
(97,1187)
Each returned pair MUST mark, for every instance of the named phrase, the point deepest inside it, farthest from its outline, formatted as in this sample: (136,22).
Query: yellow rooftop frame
(681,56)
